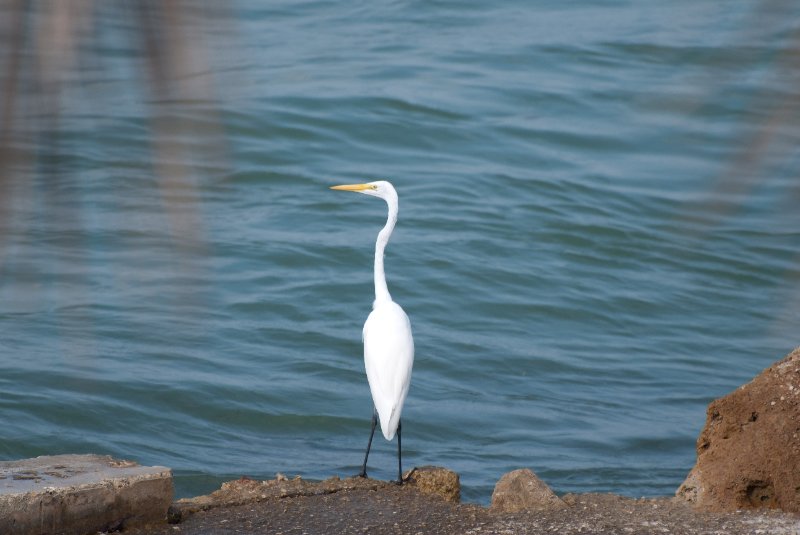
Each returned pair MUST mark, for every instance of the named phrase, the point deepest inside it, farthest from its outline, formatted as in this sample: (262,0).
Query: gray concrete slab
(80,494)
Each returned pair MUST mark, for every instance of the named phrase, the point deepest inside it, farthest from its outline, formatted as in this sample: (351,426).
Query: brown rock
(242,491)
(521,490)
(748,454)
(436,480)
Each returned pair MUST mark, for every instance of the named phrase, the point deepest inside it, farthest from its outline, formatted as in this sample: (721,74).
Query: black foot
(362,475)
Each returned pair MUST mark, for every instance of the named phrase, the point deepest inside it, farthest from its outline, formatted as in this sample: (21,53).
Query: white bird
(388,344)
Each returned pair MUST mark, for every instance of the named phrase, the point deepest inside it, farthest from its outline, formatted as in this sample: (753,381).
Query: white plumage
(388,358)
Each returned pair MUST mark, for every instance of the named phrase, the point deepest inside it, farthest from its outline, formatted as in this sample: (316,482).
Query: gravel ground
(389,509)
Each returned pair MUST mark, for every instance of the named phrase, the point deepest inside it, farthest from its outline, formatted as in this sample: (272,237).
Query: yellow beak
(354,187)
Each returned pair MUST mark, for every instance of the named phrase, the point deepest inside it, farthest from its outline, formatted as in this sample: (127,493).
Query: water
(598,235)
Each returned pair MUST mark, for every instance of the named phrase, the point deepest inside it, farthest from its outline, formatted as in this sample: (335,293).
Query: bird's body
(388,358)
(388,343)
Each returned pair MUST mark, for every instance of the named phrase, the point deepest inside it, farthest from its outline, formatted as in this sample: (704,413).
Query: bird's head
(379,188)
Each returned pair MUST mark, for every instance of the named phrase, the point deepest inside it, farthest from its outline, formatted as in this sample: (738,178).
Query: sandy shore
(375,507)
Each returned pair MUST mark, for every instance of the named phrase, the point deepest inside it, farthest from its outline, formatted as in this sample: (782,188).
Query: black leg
(369,444)
(399,455)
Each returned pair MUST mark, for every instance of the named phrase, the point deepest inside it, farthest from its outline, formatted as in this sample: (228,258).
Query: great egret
(388,344)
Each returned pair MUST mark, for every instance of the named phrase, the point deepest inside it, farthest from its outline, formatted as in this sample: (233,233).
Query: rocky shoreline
(358,506)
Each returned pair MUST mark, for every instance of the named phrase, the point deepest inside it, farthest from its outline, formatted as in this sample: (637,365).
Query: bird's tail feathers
(389,425)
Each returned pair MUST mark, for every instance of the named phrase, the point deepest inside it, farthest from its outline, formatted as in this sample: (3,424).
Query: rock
(77,494)
(247,491)
(748,454)
(427,479)
(435,480)
(521,490)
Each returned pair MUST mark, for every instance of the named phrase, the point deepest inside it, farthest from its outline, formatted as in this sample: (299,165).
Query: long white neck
(381,290)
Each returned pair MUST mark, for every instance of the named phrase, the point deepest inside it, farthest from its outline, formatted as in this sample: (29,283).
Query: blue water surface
(598,235)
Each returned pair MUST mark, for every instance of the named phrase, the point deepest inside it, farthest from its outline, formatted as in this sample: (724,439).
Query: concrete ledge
(80,494)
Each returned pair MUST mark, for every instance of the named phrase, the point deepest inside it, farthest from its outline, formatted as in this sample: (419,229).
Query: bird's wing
(388,358)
